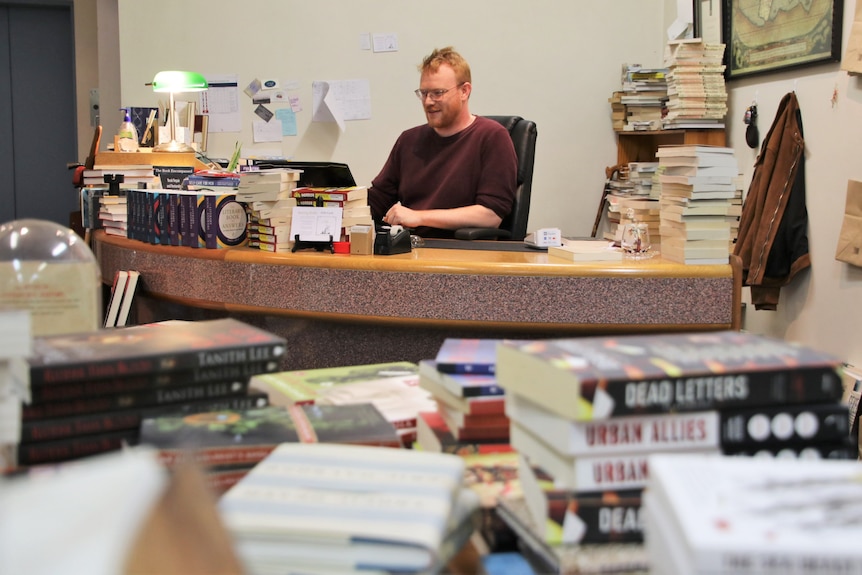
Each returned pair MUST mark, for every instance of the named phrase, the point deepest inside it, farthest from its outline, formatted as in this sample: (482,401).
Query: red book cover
(247,436)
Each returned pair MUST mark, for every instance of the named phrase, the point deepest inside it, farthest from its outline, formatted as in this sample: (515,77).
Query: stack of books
(326,508)
(16,336)
(90,391)
(644,92)
(113,214)
(228,443)
(352,200)
(470,421)
(134,175)
(700,204)
(697,97)
(641,176)
(587,413)
(392,387)
(462,380)
(268,196)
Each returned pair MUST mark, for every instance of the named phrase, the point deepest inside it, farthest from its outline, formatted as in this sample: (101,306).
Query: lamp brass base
(173,146)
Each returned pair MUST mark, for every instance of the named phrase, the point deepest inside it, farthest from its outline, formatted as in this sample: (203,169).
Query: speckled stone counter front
(349,309)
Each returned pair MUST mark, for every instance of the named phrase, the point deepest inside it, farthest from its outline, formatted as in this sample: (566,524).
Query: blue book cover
(460,355)
(462,384)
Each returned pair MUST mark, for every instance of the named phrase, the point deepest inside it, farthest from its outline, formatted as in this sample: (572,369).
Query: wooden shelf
(154,158)
(641,146)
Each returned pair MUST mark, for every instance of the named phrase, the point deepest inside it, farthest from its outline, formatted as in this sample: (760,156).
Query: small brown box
(362,240)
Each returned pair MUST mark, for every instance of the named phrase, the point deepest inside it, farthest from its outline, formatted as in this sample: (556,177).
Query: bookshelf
(641,146)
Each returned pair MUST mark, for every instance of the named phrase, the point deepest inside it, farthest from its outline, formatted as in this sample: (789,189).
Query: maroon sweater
(425,171)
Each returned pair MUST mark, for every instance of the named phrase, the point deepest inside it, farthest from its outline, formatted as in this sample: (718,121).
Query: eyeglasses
(436,95)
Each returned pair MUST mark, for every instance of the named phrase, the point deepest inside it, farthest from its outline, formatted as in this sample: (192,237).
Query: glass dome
(49,270)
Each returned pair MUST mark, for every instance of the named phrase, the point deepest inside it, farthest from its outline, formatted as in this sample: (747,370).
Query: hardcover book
(150,348)
(345,507)
(235,437)
(593,378)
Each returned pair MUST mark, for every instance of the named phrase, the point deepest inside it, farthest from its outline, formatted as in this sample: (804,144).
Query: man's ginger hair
(447,55)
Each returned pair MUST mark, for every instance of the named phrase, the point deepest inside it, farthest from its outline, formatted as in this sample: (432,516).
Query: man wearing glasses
(457,170)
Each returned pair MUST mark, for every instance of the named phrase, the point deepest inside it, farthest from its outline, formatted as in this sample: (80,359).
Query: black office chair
(513,226)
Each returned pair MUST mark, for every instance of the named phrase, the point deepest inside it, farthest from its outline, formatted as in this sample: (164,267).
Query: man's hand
(448,219)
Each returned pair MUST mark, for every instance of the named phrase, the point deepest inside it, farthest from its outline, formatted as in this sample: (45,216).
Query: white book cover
(628,434)
(335,503)
(729,515)
(586,472)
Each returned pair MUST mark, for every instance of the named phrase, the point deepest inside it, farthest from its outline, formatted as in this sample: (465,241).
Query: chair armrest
(482,234)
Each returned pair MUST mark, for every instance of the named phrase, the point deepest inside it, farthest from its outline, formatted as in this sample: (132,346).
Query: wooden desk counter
(370,308)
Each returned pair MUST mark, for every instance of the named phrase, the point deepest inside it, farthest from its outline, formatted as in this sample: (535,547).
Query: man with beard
(457,170)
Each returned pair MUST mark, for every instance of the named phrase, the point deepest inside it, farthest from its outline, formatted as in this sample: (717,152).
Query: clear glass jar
(48,269)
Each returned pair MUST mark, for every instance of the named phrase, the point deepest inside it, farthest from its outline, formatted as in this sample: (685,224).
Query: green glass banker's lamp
(176,82)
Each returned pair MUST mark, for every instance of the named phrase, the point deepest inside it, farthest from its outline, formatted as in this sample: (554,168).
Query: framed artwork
(766,36)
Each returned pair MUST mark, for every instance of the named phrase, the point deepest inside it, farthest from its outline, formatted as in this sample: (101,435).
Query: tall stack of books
(587,413)
(268,195)
(325,508)
(470,422)
(644,92)
(90,391)
(697,97)
(113,214)
(16,336)
(700,204)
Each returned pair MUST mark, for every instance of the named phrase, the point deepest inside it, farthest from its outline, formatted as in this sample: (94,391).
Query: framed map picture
(770,35)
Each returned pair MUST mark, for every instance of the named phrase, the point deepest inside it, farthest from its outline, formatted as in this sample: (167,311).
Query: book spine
(596,517)
(211,222)
(234,455)
(64,391)
(173,218)
(807,451)
(73,448)
(228,182)
(166,362)
(144,398)
(62,428)
(784,424)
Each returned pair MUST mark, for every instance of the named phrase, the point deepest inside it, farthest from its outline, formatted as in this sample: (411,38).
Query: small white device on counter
(544,237)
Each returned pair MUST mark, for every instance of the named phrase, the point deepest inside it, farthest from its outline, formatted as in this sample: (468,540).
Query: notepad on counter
(586,251)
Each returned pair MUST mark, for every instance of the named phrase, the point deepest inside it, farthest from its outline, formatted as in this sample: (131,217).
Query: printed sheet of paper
(316,224)
(221,103)
(267,131)
(341,100)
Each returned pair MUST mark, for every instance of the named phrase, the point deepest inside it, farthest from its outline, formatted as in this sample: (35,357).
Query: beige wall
(553,62)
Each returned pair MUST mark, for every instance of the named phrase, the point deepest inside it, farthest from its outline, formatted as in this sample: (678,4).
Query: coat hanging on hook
(773,228)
